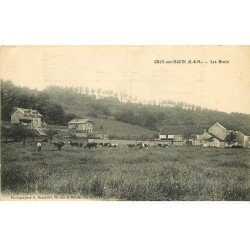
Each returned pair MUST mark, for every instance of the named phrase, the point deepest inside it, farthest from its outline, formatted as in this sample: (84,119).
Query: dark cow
(59,145)
(131,145)
(91,145)
(237,146)
(72,144)
(76,144)
(161,145)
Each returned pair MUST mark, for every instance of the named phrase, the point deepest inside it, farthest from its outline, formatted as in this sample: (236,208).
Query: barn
(206,135)
(216,134)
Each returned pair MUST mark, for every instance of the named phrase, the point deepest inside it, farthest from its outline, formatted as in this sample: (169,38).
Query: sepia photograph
(125,123)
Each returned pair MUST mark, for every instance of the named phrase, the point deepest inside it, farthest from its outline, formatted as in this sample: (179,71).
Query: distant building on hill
(81,125)
(28,117)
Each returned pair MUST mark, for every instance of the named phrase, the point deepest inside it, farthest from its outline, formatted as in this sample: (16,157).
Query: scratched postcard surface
(136,123)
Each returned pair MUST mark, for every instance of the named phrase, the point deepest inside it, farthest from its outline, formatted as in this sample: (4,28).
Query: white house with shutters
(81,125)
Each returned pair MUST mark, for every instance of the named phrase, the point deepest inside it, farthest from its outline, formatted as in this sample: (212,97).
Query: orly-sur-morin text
(194,61)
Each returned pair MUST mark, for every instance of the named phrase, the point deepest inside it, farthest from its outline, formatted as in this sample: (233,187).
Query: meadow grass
(174,173)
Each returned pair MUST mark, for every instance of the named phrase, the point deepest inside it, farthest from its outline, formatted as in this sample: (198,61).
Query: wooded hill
(61,104)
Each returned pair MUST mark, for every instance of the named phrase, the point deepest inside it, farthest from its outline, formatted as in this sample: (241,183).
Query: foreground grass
(178,173)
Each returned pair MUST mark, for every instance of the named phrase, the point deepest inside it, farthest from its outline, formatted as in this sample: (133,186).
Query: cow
(91,145)
(76,144)
(142,145)
(161,145)
(108,144)
(72,144)
(59,145)
(131,145)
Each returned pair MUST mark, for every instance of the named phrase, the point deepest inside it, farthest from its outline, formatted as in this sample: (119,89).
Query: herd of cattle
(90,145)
(59,145)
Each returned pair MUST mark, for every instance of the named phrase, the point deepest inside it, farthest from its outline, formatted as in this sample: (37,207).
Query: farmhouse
(81,125)
(29,117)
(206,135)
(215,135)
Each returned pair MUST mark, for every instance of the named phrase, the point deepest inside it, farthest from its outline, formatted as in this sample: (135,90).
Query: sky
(132,70)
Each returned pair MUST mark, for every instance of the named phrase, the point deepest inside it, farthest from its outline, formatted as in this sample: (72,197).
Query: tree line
(58,105)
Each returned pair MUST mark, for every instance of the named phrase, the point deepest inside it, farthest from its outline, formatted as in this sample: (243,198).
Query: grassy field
(113,127)
(178,173)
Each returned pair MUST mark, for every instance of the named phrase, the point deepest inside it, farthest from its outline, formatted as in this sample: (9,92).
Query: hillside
(59,105)
(122,130)
(149,116)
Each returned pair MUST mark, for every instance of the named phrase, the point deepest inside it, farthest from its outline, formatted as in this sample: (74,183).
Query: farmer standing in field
(39,147)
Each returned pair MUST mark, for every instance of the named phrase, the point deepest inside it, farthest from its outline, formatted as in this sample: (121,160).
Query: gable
(16,112)
(218,130)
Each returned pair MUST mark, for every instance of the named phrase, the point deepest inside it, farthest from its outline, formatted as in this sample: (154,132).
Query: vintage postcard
(125,123)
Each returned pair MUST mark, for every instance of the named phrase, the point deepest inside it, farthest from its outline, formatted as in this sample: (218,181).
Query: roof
(199,129)
(79,121)
(244,129)
(183,129)
(33,113)
(216,137)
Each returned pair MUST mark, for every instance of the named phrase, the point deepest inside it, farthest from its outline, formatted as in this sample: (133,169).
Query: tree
(55,114)
(188,137)
(51,133)
(231,138)
(87,90)
(21,132)
(92,91)
(69,117)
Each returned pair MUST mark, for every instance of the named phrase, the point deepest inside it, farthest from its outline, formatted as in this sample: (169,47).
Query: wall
(37,122)
(72,126)
(88,126)
(162,137)
(247,141)
(15,116)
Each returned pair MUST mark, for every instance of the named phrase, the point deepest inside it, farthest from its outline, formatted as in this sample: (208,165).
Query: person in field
(39,147)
